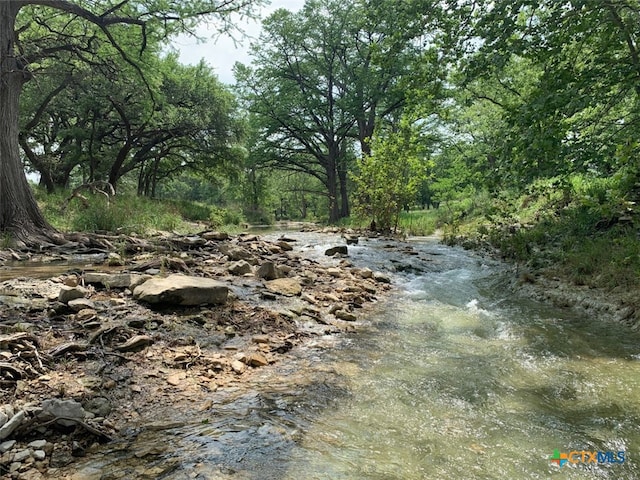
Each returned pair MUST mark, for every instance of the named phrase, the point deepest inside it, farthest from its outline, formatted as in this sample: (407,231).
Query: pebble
(175,379)
(6,446)
(39,454)
(238,367)
(257,360)
(22,455)
(37,444)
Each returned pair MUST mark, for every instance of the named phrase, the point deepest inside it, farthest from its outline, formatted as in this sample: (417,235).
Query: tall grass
(413,222)
(419,222)
(129,214)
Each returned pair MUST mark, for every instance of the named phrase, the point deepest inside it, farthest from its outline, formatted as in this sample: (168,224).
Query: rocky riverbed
(98,350)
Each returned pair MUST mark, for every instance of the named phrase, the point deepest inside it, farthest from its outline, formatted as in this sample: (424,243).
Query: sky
(222,53)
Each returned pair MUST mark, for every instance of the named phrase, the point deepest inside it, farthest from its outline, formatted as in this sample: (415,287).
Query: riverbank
(104,348)
(551,285)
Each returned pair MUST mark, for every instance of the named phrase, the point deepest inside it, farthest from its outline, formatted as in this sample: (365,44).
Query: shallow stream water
(453,378)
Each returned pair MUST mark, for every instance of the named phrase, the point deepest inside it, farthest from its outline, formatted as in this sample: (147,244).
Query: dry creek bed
(89,354)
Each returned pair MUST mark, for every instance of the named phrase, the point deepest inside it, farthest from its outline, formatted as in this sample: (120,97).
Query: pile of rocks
(199,316)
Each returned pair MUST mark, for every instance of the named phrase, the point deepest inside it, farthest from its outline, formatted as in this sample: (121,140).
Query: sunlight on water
(464,391)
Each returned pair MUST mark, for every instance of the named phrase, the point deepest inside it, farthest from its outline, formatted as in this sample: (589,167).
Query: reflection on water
(42,269)
(453,380)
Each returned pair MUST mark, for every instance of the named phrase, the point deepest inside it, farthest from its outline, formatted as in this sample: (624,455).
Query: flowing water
(454,379)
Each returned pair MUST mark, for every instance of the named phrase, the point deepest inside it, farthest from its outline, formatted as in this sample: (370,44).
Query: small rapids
(453,378)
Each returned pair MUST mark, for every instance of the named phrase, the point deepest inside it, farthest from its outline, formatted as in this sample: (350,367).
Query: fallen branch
(99,186)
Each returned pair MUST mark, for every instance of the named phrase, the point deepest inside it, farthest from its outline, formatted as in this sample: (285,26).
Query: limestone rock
(268,271)
(344,315)
(236,253)
(260,339)
(112,280)
(37,444)
(288,287)
(8,428)
(238,367)
(78,304)
(22,455)
(340,249)
(39,454)
(86,314)
(256,359)
(69,409)
(176,379)
(70,293)
(381,277)
(334,272)
(215,236)
(182,290)
(114,259)
(364,272)
(351,239)
(241,267)
(6,446)
(284,246)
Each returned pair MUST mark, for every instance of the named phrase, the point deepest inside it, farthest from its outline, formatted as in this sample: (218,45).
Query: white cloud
(222,53)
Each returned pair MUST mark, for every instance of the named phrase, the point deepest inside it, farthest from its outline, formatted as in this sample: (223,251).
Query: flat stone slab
(288,287)
(114,280)
(182,290)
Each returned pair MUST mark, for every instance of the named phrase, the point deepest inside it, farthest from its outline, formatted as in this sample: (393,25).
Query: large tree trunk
(332,190)
(20,217)
(345,211)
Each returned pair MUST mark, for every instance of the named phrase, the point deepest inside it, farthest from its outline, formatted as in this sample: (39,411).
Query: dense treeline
(88,96)
(357,109)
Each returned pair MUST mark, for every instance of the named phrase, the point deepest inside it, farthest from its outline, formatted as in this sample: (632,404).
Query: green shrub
(259,217)
(193,211)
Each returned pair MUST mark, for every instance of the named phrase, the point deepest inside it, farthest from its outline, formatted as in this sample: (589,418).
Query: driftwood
(12,370)
(24,360)
(40,421)
(99,186)
(68,347)
(8,341)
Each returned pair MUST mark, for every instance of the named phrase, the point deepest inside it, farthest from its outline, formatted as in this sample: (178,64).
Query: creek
(454,377)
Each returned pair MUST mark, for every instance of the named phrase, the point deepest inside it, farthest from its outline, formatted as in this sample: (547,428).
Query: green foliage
(546,89)
(220,217)
(412,222)
(322,80)
(388,180)
(130,213)
(583,229)
(102,110)
(419,222)
(192,211)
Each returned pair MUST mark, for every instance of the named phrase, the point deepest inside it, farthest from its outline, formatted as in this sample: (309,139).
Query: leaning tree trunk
(20,217)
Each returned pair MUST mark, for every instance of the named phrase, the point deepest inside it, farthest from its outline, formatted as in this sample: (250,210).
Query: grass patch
(131,214)
(413,222)
(420,222)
